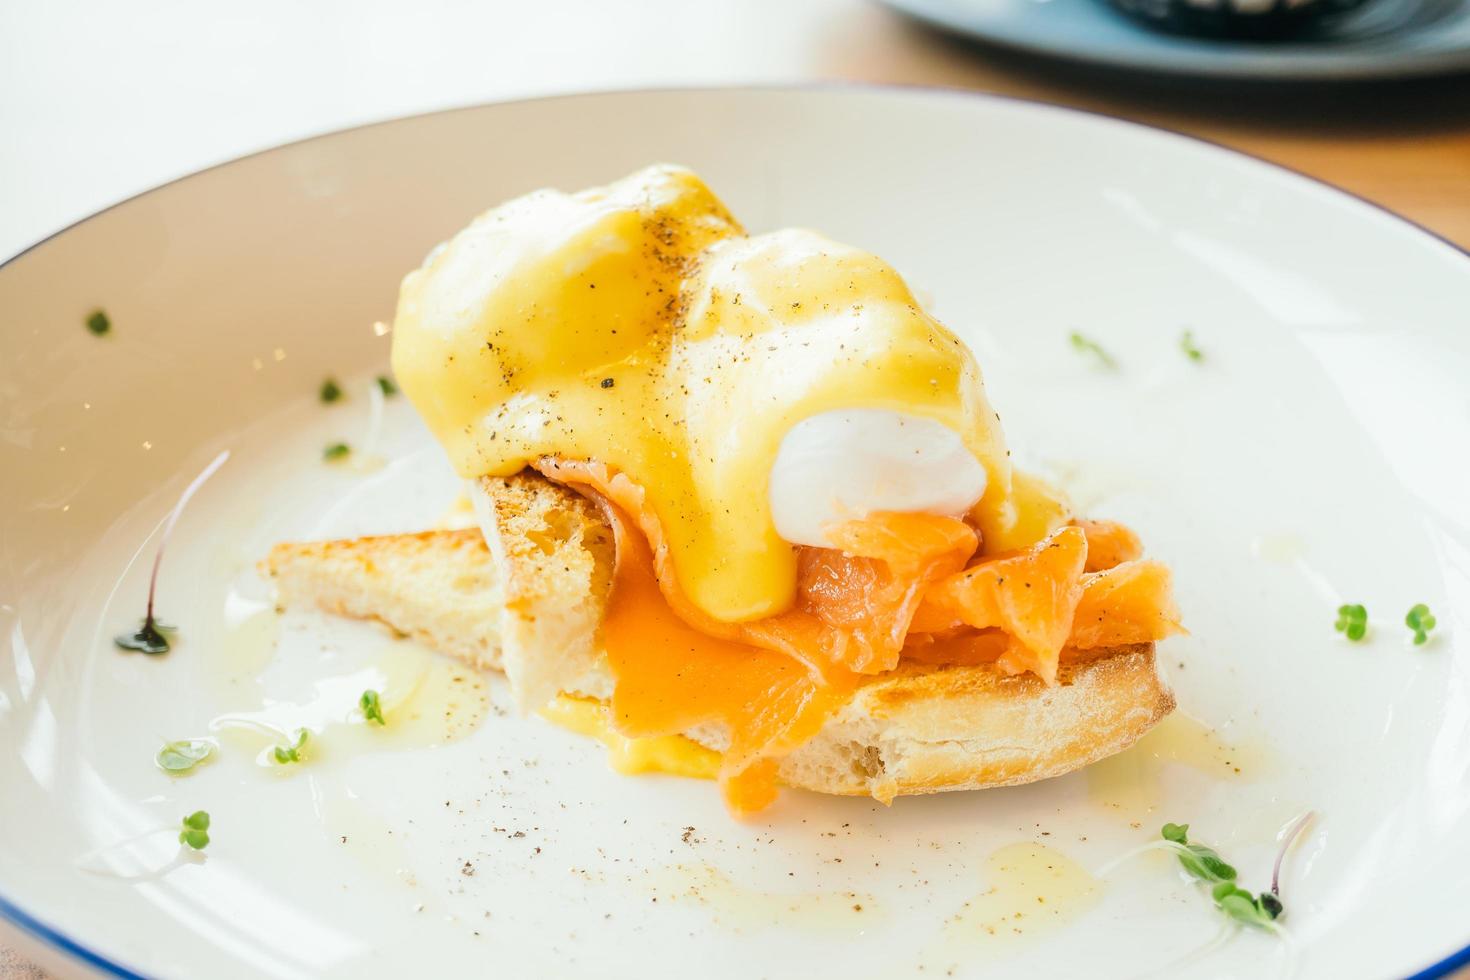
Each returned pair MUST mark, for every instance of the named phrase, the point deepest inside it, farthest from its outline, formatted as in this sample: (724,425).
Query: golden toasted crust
(554,557)
(927,730)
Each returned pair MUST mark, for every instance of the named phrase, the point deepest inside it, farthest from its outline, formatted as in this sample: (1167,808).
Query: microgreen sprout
(183,755)
(1260,911)
(149,637)
(1421,621)
(1287,839)
(285,754)
(1198,860)
(386,386)
(336,451)
(98,323)
(1089,346)
(372,707)
(331,390)
(1186,344)
(1352,620)
(195,832)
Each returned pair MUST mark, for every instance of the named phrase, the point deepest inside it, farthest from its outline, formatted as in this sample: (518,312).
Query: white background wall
(102,99)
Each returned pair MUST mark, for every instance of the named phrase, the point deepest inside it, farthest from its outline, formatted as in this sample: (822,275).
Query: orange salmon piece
(961,647)
(1132,603)
(856,604)
(1031,595)
(1109,544)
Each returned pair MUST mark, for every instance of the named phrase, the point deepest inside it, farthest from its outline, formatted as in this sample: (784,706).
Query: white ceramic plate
(1316,455)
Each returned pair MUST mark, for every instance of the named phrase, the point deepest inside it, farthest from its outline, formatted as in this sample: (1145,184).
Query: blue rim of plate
(50,935)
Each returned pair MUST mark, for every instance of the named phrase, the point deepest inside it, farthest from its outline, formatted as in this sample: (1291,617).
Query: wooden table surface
(101,100)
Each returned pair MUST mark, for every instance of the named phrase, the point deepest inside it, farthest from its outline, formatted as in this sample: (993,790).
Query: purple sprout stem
(173,518)
(1292,833)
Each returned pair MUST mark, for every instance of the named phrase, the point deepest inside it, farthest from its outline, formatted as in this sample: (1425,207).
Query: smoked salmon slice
(1030,596)
(1130,603)
(1109,544)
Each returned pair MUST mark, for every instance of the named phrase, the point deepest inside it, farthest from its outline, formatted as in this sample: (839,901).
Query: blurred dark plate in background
(1379,39)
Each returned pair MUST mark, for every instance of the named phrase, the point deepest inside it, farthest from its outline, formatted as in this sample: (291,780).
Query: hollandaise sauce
(638,326)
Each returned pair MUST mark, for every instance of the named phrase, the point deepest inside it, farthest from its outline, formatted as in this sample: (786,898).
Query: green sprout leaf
(195,832)
(1245,909)
(183,755)
(1197,859)
(336,451)
(386,386)
(1205,864)
(1186,344)
(1088,346)
(372,707)
(1259,911)
(1421,621)
(98,323)
(1352,621)
(331,390)
(286,754)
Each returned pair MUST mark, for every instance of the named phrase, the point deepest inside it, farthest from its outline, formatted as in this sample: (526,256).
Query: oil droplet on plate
(349,823)
(248,641)
(741,909)
(1031,891)
(427,700)
(1282,548)
(1133,780)
(1291,551)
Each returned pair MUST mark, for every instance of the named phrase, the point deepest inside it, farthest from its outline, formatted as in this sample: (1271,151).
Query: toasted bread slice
(554,555)
(915,730)
(440,587)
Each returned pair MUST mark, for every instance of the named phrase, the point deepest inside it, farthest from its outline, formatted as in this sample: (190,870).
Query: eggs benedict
(743,491)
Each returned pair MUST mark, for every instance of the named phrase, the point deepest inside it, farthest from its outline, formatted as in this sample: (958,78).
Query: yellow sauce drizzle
(671,754)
